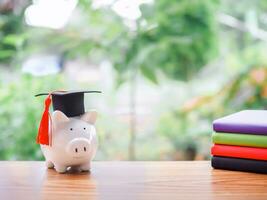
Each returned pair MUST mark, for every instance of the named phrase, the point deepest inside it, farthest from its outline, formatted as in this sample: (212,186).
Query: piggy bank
(74,142)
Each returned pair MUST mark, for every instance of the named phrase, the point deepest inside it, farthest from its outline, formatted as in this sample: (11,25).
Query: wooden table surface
(130,180)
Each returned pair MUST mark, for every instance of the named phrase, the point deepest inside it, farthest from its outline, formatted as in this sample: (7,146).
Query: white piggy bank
(74,142)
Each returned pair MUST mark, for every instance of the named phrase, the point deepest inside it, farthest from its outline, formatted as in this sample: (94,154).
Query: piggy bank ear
(89,117)
(59,117)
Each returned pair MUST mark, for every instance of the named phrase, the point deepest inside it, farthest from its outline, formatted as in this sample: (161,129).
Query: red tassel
(44,127)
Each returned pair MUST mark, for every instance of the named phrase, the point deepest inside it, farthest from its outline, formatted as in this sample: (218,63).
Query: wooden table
(130,180)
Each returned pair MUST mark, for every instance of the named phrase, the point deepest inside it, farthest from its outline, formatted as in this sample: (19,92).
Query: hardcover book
(247,121)
(239,152)
(239,164)
(240,139)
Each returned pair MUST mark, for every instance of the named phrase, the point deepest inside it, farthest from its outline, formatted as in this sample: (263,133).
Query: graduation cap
(71,103)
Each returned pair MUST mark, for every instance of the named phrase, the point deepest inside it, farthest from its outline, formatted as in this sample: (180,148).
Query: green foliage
(12,35)
(174,126)
(95,37)
(188,132)
(176,38)
(20,113)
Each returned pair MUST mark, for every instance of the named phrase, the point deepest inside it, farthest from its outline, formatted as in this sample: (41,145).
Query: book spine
(238,128)
(238,164)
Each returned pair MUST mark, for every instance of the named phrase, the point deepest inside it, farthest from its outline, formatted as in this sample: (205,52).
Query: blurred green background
(167,69)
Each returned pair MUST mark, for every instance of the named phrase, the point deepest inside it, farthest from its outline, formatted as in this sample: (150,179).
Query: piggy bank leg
(86,167)
(60,168)
(49,164)
(75,169)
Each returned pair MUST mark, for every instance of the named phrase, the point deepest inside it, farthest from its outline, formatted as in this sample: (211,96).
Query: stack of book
(240,142)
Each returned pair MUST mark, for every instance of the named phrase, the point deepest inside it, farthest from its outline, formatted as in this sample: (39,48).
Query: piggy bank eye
(71,129)
(84,128)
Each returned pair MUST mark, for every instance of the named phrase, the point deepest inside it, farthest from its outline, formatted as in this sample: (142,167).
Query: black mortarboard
(71,103)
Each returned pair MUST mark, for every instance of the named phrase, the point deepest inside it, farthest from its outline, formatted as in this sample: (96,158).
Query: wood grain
(130,180)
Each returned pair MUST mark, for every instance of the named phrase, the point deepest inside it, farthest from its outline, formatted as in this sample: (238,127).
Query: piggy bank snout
(78,147)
